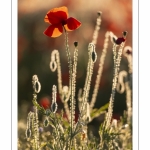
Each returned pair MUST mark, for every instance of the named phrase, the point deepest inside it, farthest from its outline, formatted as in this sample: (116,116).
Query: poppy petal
(72,24)
(56,15)
(46,19)
(120,40)
(54,30)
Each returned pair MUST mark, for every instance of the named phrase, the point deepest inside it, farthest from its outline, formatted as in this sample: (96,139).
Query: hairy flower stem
(35,120)
(128,102)
(57,131)
(90,66)
(100,70)
(97,28)
(33,124)
(73,85)
(117,60)
(36,129)
(55,64)
(83,111)
(70,83)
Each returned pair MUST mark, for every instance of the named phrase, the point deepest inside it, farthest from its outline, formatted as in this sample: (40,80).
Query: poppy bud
(75,44)
(124,34)
(99,13)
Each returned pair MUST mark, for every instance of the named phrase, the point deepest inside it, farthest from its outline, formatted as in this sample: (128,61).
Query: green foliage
(97,112)
(60,136)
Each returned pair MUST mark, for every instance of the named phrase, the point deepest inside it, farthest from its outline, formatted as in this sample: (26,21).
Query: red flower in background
(58,18)
(120,40)
(45,102)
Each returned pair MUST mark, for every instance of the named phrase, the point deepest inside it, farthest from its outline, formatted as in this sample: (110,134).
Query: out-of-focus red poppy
(58,18)
(45,102)
(116,116)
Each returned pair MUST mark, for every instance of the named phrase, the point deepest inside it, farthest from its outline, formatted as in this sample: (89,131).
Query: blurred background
(34,48)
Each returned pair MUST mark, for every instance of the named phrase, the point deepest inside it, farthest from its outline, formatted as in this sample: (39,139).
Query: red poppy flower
(120,40)
(45,102)
(58,18)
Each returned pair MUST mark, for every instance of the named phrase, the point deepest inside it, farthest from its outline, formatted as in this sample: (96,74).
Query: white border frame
(14,63)
(10,59)
(135,77)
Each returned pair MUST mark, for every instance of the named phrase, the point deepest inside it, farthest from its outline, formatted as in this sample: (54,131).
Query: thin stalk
(70,83)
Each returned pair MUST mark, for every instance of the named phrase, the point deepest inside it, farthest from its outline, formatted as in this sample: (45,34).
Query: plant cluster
(66,133)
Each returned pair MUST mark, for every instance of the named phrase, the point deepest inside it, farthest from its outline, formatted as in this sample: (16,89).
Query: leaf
(97,112)
(49,146)
(41,109)
(43,145)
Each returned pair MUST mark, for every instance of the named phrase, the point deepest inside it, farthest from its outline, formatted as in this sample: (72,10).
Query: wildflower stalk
(83,109)
(97,28)
(36,129)
(117,60)
(57,131)
(54,104)
(57,125)
(94,41)
(92,58)
(66,107)
(128,85)
(121,87)
(70,86)
(55,64)
(100,70)
(35,120)
(33,128)
(91,49)
(128,102)
(69,59)
(73,85)
(28,130)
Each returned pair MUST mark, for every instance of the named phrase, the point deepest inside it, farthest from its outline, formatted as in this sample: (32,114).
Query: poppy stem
(70,83)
